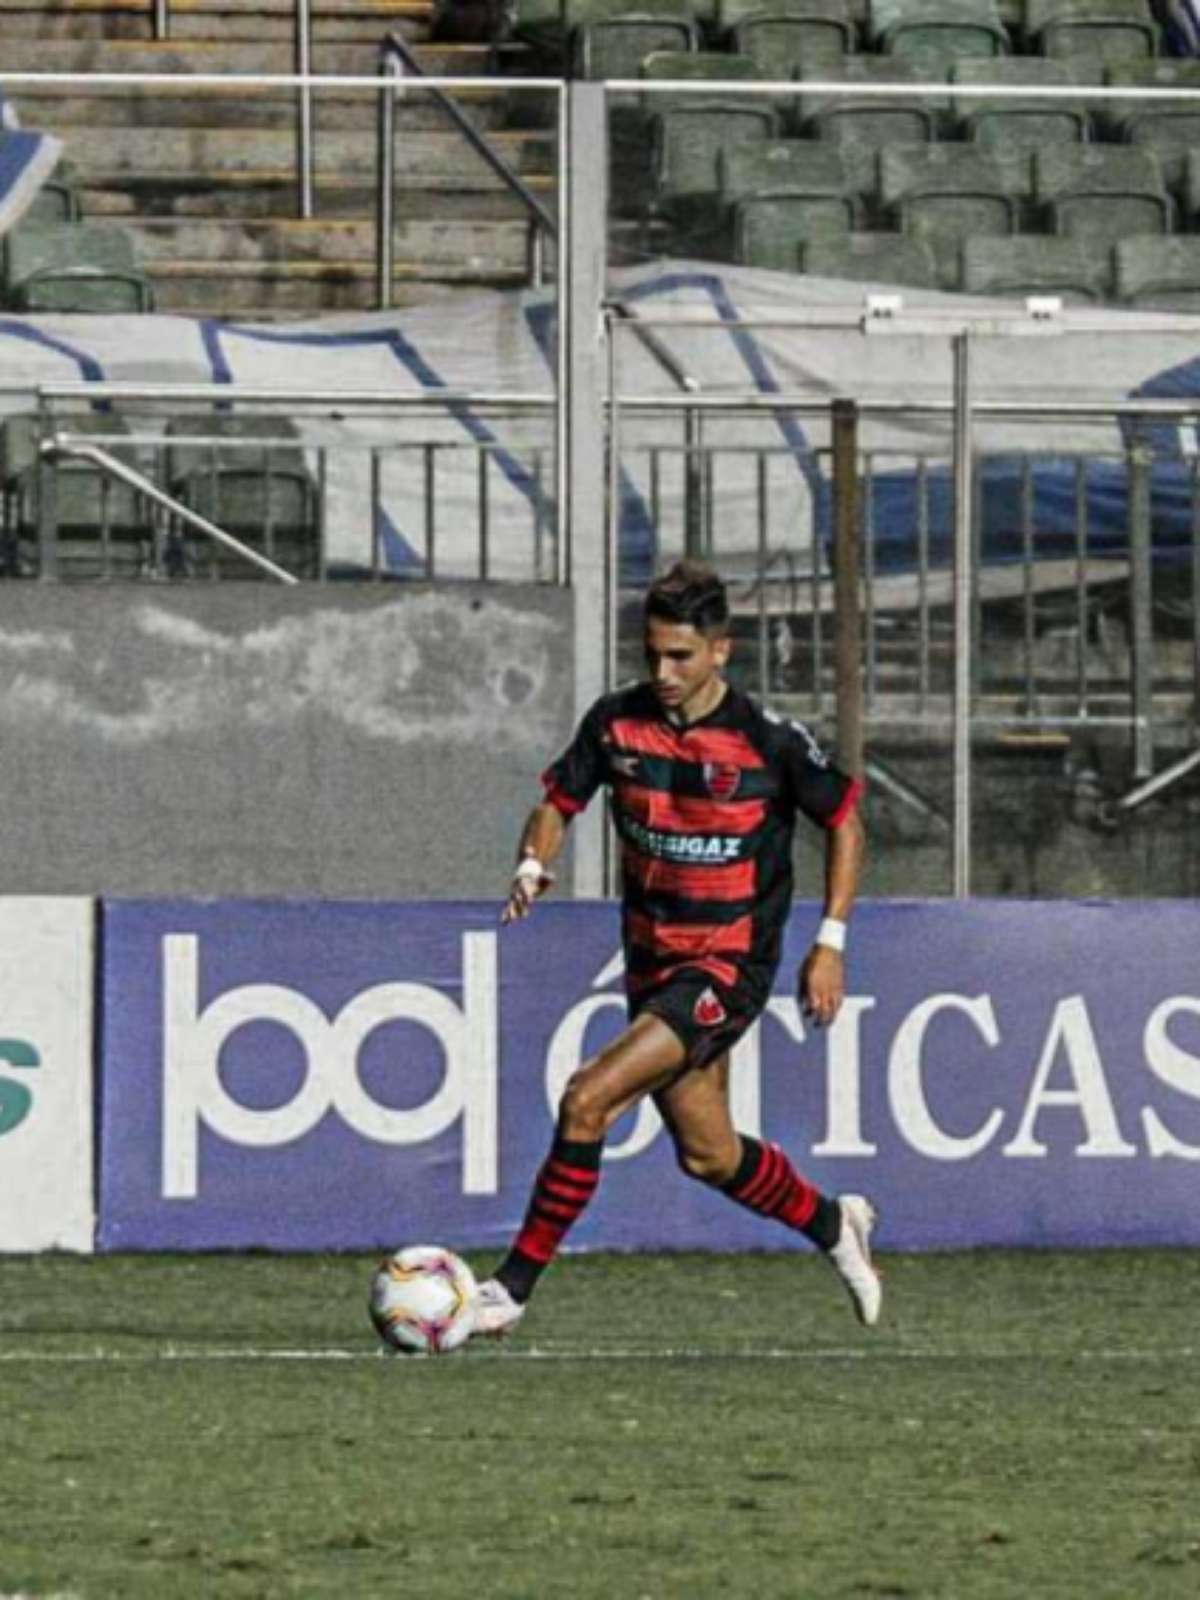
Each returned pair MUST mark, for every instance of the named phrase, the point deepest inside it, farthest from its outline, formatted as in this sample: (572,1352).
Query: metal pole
(304,108)
(390,68)
(963,642)
(847,635)
(1141,627)
(535,254)
(162,19)
(693,485)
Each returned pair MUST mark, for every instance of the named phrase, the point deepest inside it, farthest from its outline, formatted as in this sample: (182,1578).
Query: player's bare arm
(822,977)
(541,843)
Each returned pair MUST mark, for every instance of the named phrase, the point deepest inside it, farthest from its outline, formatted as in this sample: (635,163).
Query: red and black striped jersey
(705,813)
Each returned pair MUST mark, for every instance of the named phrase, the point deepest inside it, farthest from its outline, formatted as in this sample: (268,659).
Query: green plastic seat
(73,267)
(1100,32)
(1102,192)
(872,121)
(1007,120)
(946,192)
(934,34)
(798,167)
(259,490)
(615,47)
(686,143)
(788,36)
(1037,264)
(883,259)
(768,228)
(1154,273)
(103,526)
(704,67)
(1168,127)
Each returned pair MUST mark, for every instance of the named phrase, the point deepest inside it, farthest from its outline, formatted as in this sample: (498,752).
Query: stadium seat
(74,267)
(945,192)
(768,228)
(934,34)
(1154,273)
(1007,120)
(615,47)
(1074,270)
(871,121)
(1102,192)
(104,528)
(701,66)
(1169,127)
(686,142)
(1100,32)
(797,167)
(878,258)
(784,36)
(263,494)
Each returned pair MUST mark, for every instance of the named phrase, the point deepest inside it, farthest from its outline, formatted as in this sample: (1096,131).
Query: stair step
(246,290)
(361,20)
(425,159)
(469,247)
(233,57)
(274,194)
(68,112)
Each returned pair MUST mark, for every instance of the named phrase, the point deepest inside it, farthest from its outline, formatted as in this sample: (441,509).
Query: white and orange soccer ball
(423,1301)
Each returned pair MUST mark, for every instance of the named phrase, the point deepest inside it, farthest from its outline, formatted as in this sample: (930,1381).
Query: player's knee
(582,1113)
(706,1166)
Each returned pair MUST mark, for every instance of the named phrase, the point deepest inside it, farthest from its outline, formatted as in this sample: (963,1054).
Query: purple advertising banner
(303,1076)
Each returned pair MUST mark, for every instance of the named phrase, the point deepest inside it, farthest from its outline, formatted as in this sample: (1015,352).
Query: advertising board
(350,1075)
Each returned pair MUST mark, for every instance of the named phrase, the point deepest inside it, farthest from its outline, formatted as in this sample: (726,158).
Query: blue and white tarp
(26,161)
(728,328)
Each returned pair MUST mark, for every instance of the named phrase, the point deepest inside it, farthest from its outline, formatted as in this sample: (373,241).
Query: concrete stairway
(205,178)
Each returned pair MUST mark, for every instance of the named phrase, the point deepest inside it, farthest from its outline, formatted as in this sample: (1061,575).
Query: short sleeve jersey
(705,813)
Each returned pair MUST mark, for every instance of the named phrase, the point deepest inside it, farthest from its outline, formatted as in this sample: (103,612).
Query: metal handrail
(397,61)
(63,444)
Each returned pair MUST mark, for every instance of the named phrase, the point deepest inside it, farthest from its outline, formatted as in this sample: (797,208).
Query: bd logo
(16,1099)
(194,1096)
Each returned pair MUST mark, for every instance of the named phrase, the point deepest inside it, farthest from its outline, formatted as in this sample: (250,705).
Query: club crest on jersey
(721,779)
(708,1010)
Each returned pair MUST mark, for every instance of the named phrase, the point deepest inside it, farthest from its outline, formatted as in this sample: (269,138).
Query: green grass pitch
(1020,1425)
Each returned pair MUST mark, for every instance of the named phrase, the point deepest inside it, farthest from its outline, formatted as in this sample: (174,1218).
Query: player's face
(684,666)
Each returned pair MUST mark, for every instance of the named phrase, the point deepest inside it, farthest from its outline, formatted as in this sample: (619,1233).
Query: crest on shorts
(721,779)
(708,1010)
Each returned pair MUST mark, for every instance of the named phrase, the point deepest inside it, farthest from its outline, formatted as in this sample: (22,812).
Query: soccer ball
(423,1301)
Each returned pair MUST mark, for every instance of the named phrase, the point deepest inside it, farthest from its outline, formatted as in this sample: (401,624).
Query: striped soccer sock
(767,1182)
(564,1185)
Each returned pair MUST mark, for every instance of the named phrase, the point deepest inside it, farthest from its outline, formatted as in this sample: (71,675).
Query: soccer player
(705,786)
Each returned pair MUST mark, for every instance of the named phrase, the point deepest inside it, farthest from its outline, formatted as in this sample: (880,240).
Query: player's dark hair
(690,593)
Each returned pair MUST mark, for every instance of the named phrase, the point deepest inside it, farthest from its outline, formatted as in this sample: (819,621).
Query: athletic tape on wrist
(530,866)
(832,932)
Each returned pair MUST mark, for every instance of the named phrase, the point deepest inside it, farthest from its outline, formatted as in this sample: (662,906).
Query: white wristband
(530,866)
(832,932)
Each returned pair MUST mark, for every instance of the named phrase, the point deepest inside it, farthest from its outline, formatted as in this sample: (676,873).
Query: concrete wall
(249,740)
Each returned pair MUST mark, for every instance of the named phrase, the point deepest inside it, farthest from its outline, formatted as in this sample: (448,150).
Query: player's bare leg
(644,1058)
(695,1108)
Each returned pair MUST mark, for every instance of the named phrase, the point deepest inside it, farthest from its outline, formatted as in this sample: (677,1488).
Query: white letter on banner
(843,1082)
(566,1054)
(192,1043)
(1177,1068)
(1072,1025)
(906,1087)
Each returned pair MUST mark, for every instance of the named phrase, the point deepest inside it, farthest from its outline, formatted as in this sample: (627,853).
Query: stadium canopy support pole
(963,642)
(847,646)
(581,283)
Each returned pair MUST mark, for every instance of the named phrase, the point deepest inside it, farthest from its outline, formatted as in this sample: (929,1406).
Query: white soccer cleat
(496,1312)
(851,1257)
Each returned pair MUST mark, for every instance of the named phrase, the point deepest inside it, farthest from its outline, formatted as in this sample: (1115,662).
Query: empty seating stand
(768,229)
(943,193)
(871,120)
(1168,127)
(616,46)
(883,259)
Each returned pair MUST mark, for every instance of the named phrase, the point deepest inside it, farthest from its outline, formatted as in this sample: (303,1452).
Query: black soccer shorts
(708,1017)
